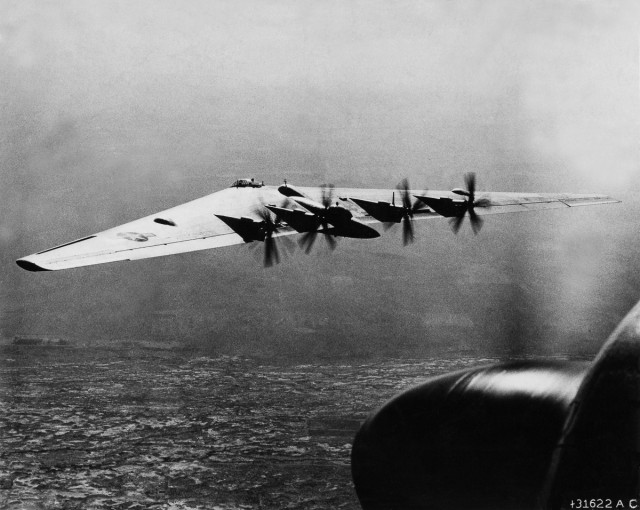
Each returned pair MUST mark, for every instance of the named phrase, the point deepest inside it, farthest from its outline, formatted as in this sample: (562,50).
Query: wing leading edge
(197,225)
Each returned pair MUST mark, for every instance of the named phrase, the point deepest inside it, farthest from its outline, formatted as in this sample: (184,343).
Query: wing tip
(603,200)
(24,263)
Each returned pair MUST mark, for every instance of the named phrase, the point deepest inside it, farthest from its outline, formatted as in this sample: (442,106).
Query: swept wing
(197,225)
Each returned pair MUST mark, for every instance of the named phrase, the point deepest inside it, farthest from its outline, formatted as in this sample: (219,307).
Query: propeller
(470,204)
(407,211)
(309,238)
(268,227)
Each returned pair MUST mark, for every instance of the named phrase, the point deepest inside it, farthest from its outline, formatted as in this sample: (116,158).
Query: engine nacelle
(460,191)
(338,214)
(525,436)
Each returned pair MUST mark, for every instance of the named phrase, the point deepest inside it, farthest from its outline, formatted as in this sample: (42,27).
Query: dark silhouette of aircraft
(250,211)
(512,436)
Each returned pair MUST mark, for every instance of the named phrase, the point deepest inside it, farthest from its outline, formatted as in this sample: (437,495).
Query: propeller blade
(269,226)
(409,209)
(327,195)
(403,187)
(331,241)
(476,221)
(407,231)
(270,252)
(470,181)
(456,223)
(307,240)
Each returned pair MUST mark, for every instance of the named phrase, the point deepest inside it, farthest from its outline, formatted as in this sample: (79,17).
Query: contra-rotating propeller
(268,227)
(469,205)
(309,238)
(407,211)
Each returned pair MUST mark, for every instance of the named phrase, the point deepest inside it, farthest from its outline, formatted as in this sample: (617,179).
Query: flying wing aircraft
(243,213)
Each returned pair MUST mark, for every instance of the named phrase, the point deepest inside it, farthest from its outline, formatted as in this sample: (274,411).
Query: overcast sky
(113,110)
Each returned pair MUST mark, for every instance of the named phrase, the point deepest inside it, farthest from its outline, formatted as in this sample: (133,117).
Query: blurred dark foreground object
(512,436)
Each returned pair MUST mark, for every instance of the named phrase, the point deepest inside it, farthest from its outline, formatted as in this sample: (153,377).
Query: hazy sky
(113,110)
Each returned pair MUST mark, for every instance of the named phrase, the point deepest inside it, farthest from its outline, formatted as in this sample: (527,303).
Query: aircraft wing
(500,202)
(188,227)
(214,221)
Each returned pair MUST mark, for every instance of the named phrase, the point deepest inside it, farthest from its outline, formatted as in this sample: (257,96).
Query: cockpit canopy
(247,183)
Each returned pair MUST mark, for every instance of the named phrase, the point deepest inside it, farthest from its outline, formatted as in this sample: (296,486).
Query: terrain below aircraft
(250,211)
(513,436)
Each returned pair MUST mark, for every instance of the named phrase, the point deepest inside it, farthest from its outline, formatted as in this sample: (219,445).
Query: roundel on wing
(134,236)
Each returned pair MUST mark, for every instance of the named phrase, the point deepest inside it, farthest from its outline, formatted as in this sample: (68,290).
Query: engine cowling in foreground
(516,436)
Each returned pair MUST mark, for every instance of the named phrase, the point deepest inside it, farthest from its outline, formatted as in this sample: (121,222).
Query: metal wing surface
(500,202)
(194,225)
(188,227)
